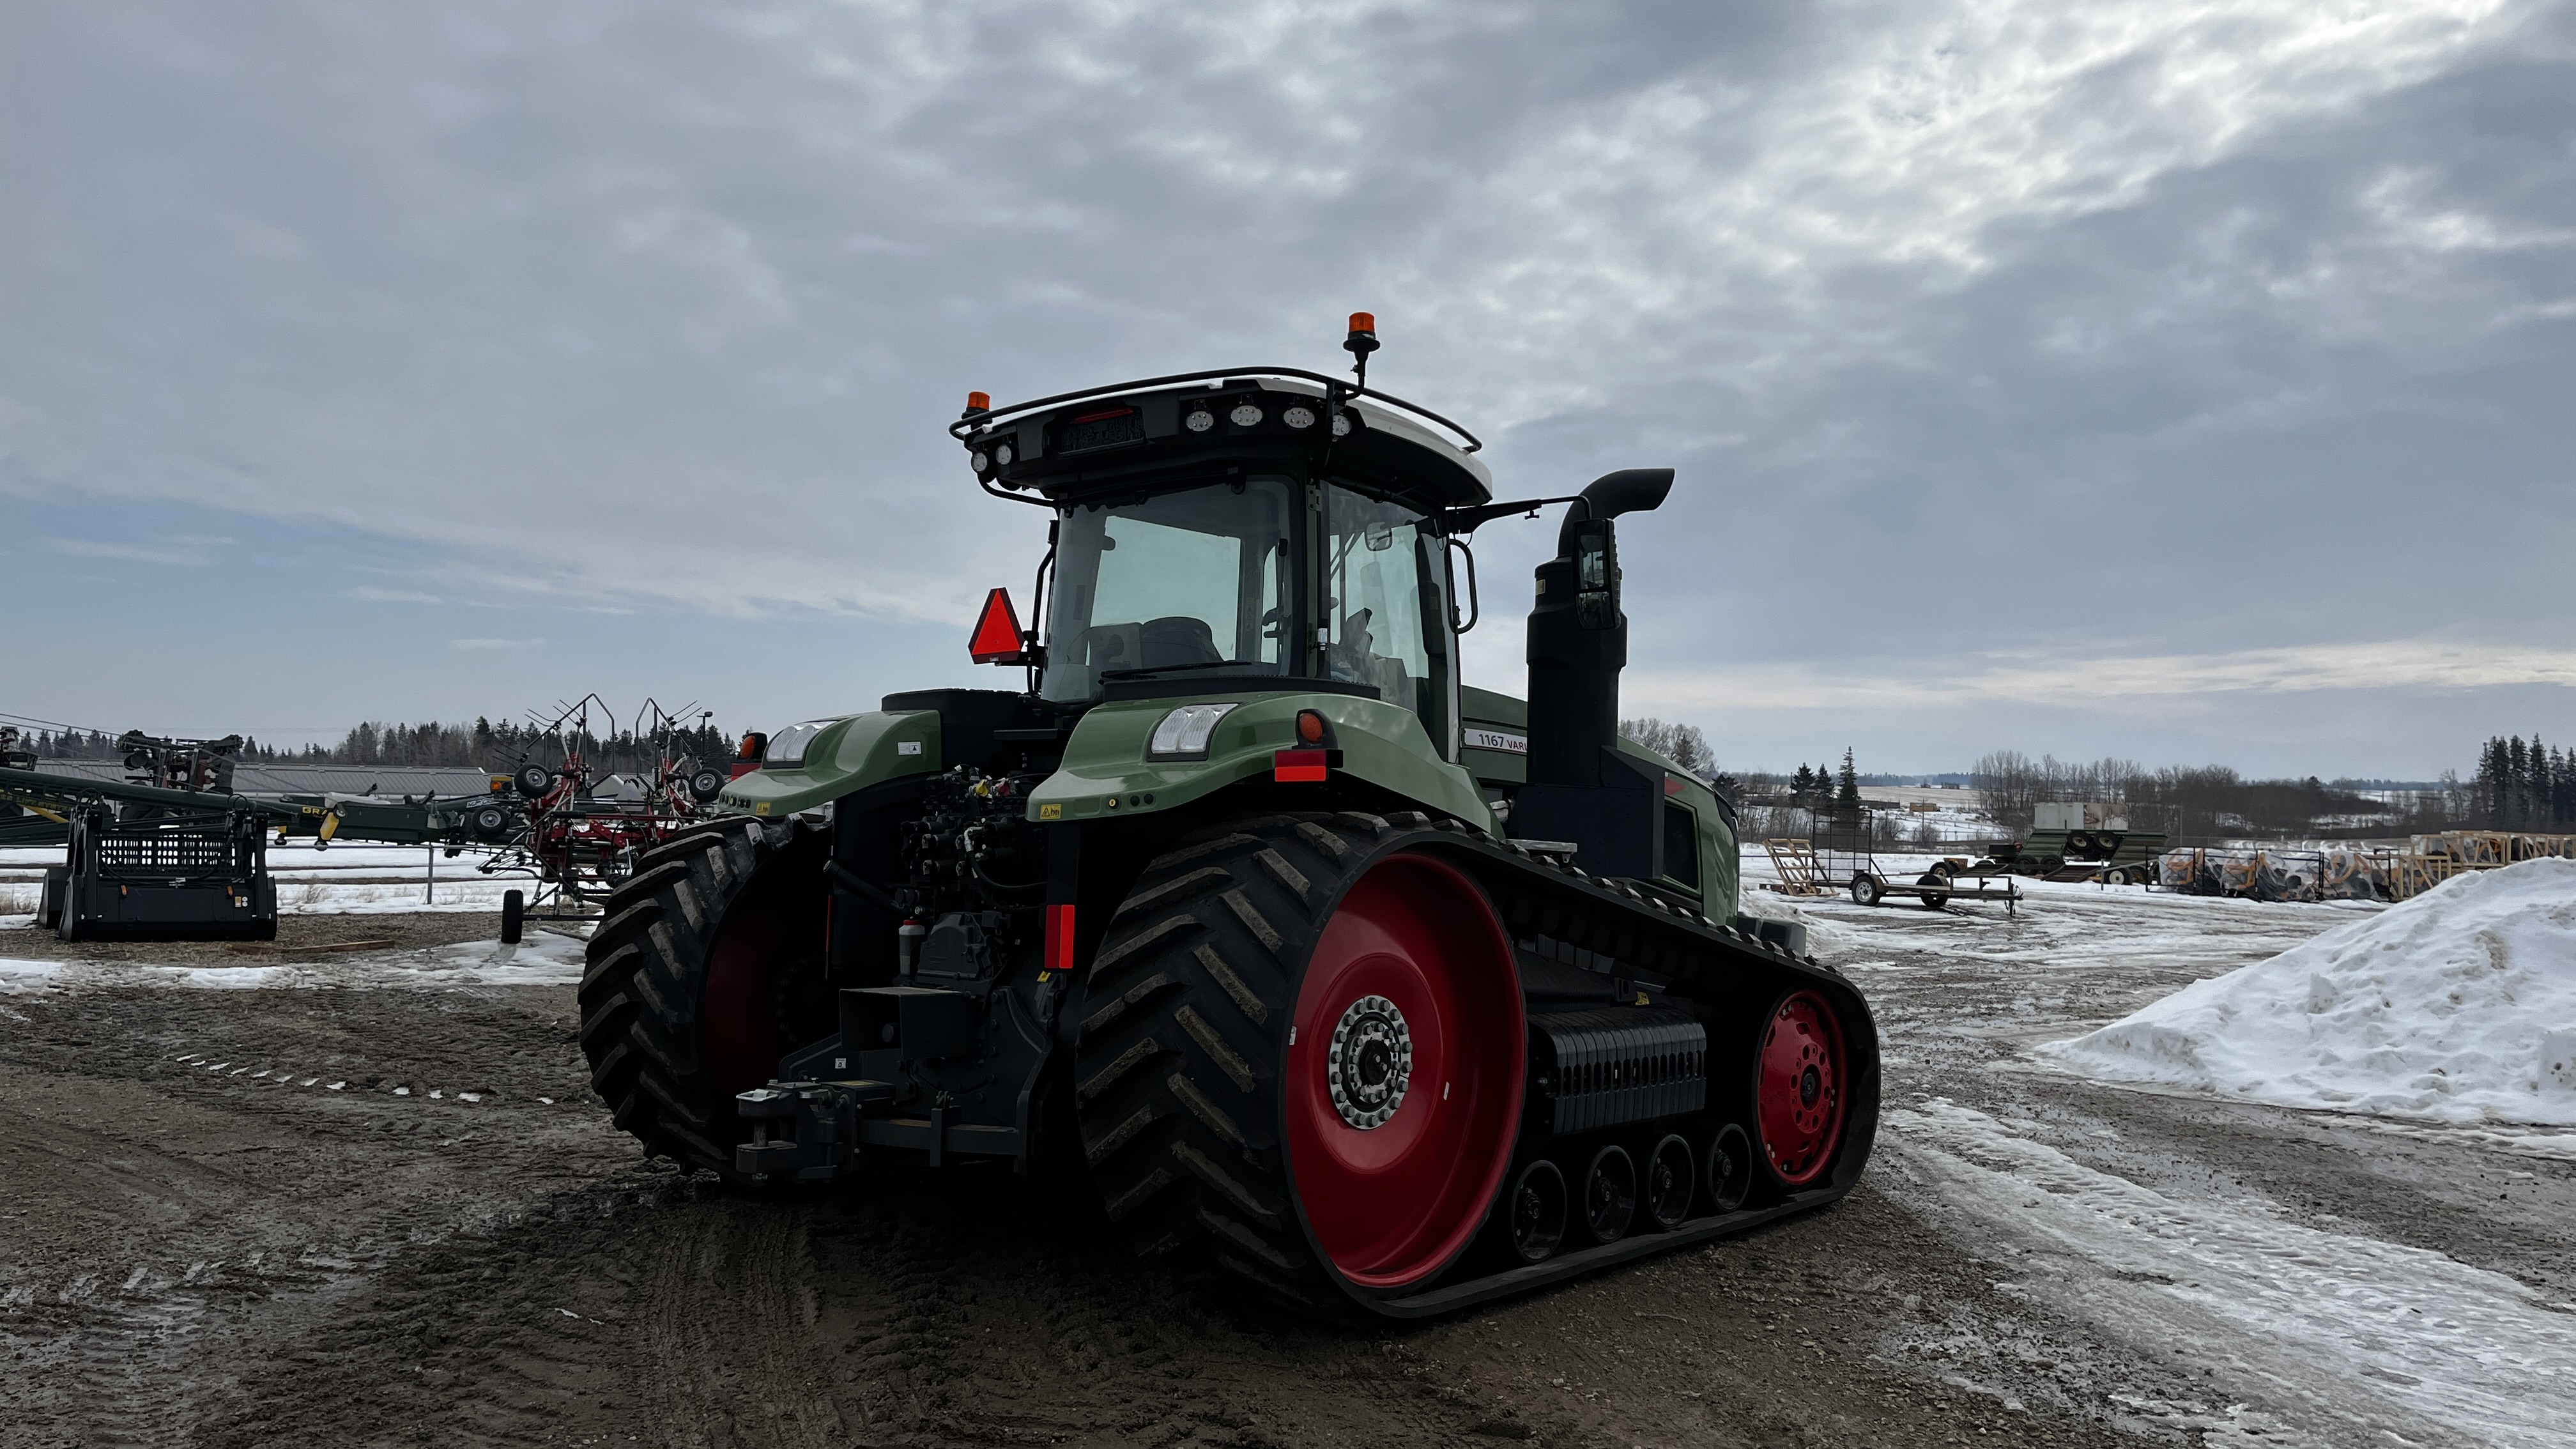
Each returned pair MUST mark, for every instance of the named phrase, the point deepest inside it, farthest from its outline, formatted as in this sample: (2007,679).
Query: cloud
(184,552)
(374,595)
(478,644)
(2162,682)
(2133,331)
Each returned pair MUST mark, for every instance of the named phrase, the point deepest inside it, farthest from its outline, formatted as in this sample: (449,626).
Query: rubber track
(1176,1059)
(641,987)
(1176,1069)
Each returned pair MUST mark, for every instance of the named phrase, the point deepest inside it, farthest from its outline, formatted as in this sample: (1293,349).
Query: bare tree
(1683,744)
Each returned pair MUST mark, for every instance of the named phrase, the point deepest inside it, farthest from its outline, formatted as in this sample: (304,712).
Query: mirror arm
(1466,520)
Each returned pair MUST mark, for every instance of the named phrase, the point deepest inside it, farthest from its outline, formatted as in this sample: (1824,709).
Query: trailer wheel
(704,971)
(1798,1089)
(1864,889)
(1936,896)
(1303,1053)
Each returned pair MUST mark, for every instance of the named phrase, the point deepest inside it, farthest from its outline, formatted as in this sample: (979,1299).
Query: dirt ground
(333,1215)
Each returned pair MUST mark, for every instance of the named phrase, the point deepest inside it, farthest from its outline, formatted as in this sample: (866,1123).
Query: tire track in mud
(730,1328)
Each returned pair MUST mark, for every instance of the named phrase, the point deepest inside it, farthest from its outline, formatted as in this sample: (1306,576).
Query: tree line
(480,745)
(2208,803)
(2524,785)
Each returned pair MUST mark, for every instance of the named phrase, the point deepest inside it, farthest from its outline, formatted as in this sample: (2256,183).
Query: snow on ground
(2458,1006)
(2397,1343)
(326,881)
(543,958)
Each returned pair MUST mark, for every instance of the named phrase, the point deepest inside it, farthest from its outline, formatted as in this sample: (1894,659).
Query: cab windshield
(1192,578)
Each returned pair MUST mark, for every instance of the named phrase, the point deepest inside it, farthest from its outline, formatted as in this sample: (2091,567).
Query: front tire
(698,982)
(1305,1055)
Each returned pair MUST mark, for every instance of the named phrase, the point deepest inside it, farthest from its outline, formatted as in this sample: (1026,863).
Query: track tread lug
(1178,888)
(1231,982)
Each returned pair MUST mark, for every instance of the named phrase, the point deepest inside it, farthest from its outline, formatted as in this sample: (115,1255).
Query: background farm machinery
(173,851)
(2360,872)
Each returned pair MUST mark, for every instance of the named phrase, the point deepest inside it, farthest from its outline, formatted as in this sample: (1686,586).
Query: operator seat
(1176,639)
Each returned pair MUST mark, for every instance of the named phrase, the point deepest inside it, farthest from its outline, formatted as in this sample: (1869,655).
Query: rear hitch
(821,1120)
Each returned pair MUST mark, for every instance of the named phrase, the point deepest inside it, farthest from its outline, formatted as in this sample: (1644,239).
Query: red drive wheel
(1798,1089)
(1404,1072)
(769,938)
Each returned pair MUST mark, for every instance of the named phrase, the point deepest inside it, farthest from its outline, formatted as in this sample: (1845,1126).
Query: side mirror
(1596,575)
(1459,549)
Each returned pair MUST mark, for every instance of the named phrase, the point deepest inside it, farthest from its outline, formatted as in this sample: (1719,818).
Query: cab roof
(1192,425)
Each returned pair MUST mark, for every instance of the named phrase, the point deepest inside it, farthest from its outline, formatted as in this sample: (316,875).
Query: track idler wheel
(1799,1086)
(1671,1183)
(1303,1050)
(1610,1194)
(1536,1212)
(1730,1168)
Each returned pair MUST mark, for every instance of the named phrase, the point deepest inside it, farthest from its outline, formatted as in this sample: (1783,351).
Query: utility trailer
(1844,849)
(1375,993)
(177,875)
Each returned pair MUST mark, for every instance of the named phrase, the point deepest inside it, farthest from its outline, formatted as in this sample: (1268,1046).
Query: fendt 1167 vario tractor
(1378,991)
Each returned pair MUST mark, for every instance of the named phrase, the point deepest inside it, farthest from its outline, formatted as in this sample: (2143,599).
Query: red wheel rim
(739,1014)
(1392,1204)
(1799,1094)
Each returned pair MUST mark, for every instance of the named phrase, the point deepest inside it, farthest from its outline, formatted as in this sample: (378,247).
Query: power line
(55,724)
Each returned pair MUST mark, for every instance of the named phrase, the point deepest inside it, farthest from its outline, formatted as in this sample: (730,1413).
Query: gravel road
(367,1200)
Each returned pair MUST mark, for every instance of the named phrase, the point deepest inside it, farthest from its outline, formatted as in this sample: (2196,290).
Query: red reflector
(1672,785)
(1297,766)
(1059,938)
(1102,417)
(997,633)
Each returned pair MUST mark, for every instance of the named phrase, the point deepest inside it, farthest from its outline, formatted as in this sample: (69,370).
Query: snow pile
(2459,1005)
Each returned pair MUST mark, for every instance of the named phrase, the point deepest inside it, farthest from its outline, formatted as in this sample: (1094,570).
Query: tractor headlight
(982,461)
(1298,416)
(1183,734)
(1246,415)
(1002,455)
(1199,420)
(788,746)
(1341,425)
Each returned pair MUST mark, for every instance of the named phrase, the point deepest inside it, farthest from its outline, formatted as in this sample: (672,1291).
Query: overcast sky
(2188,382)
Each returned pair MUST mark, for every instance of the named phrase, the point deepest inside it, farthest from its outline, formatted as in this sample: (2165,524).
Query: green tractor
(1375,990)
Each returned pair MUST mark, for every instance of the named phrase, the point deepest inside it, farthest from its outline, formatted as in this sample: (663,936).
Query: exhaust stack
(1581,788)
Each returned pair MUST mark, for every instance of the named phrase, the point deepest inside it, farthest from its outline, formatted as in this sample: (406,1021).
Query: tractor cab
(1275,531)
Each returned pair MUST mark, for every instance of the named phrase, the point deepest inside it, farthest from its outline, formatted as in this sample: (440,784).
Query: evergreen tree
(1847,785)
(1803,782)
